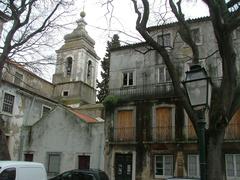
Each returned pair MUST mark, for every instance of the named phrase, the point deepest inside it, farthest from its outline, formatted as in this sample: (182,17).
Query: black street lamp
(198,88)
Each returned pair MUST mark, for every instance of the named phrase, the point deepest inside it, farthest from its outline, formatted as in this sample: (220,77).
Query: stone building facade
(148,134)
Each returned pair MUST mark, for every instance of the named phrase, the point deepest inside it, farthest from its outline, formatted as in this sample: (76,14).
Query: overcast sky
(100,27)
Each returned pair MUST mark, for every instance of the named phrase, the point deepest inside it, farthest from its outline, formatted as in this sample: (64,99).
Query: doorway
(83,162)
(123,166)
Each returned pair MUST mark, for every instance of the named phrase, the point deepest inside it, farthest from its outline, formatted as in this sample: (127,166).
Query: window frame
(200,35)
(12,106)
(126,108)
(197,166)
(26,156)
(45,106)
(172,120)
(162,35)
(163,163)
(48,162)
(65,91)
(165,74)
(234,165)
(17,79)
(69,65)
(89,68)
(128,78)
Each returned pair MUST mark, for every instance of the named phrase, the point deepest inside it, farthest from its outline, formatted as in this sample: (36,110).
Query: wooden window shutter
(163,129)
(233,130)
(125,125)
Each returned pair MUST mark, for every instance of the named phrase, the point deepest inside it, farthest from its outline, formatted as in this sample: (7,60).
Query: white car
(22,170)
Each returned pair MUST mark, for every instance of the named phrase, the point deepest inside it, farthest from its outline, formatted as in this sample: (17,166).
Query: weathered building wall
(145,66)
(76,68)
(27,109)
(78,93)
(29,80)
(79,72)
(145,97)
(62,132)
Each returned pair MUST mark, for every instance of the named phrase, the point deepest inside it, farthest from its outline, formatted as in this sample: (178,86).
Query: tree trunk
(4,153)
(215,156)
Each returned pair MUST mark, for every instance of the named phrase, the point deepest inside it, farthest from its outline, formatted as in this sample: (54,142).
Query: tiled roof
(132,46)
(172,24)
(154,28)
(84,117)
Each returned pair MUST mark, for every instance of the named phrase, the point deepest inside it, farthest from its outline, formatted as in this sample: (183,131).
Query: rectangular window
(45,110)
(163,165)
(196,35)
(124,127)
(65,93)
(128,79)
(163,127)
(232,165)
(8,102)
(164,40)
(83,162)
(163,75)
(53,166)
(18,78)
(28,157)
(193,165)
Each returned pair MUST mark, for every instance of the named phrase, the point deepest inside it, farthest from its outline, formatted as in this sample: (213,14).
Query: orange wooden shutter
(233,129)
(163,123)
(125,125)
(191,131)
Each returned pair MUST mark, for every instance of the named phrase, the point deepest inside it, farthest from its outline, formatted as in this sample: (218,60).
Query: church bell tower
(76,68)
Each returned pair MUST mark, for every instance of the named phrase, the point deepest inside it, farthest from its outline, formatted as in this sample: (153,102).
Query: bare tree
(30,22)
(31,28)
(224,16)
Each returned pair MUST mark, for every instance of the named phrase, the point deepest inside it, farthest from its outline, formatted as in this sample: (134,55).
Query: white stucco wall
(63,132)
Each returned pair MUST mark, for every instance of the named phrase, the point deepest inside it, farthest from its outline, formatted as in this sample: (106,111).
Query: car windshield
(8,174)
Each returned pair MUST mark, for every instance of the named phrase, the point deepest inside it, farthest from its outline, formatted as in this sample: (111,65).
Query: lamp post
(198,87)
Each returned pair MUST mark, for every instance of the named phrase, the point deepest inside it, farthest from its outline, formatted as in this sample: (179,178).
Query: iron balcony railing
(162,134)
(154,90)
(164,89)
(232,132)
(167,133)
(125,134)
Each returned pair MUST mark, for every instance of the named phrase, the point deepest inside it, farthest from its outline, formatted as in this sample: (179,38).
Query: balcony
(126,134)
(232,132)
(163,134)
(144,91)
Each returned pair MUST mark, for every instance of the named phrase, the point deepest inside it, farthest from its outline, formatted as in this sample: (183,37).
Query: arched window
(69,66)
(89,68)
